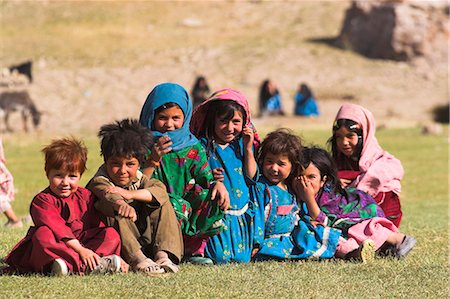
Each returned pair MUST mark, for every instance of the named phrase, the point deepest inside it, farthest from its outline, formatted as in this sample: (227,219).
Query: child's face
(122,171)
(346,141)
(226,130)
(312,174)
(63,183)
(276,168)
(169,119)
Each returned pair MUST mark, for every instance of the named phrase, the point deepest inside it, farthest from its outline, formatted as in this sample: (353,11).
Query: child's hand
(218,174)
(220,193)
(315,223)
(303,188)
(161,147)
(125,210)
(248,136)
(89,257)
(345,182)
(122,192)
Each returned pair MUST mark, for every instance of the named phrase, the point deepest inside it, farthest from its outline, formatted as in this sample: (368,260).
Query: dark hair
(265,95)
(221,109)
(125,138)
(323,161)
(306,93)
(200,91)
(166,106)
(283,142)
(197,84)
(350,125)
(68,154)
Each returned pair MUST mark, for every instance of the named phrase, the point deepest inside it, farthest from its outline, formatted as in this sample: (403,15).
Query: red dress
(57,219)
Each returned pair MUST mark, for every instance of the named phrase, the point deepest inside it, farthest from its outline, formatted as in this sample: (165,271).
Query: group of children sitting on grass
(199,186)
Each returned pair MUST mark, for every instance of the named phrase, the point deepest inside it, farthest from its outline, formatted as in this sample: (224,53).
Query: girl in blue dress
(222,123)
(288,231)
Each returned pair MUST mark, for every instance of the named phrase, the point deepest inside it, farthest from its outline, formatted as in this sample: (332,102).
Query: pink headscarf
(380,171)
(227,94)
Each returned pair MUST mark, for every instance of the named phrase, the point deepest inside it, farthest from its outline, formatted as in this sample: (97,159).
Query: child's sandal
(168,265)
(148,267)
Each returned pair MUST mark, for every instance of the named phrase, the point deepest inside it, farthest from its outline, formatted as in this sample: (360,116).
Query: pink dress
(58,219)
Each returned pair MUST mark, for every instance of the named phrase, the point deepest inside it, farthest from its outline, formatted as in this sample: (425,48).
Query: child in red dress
(68,235)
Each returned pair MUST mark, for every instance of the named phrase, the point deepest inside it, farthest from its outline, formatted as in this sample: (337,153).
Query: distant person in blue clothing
(269,99)
(305,104)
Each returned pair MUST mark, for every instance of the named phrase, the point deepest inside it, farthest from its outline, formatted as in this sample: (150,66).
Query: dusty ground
(400,94)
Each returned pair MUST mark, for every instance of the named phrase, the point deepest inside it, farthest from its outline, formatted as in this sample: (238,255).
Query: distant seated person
(269,99)
(305,104)
(200,92)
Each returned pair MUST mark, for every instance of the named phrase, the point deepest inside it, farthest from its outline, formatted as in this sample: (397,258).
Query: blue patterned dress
(236,241)
(288,232)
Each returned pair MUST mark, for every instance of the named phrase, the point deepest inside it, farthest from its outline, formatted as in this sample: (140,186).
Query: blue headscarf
(169,93)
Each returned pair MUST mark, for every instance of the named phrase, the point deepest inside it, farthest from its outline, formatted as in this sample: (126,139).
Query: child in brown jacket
(137,206)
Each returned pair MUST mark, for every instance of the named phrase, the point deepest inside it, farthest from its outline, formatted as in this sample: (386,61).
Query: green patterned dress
(188,179)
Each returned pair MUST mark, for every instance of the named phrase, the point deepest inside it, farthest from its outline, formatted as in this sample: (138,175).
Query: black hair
(125,138)
(306,93)
(283,142)
(265,95)
(325,163)
(350,125)
(200,91)
(166,106)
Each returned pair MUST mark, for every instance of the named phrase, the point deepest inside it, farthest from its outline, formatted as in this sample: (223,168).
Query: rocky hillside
(95,62)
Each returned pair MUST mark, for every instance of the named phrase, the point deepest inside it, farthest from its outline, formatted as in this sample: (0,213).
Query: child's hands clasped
(220,193)
(161,147)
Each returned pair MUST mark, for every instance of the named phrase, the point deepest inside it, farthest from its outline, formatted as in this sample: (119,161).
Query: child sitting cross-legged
(137,206)
(68,235)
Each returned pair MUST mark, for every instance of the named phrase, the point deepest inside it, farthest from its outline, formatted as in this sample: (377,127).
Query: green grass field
(423,274)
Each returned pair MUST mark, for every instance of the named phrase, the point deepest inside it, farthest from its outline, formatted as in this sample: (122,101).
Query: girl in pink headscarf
(362,163)
(222,123)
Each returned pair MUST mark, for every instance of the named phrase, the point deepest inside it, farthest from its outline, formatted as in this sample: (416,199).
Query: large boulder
(397,30)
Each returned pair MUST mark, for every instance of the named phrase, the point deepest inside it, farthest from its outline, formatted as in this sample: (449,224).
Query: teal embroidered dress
(236,241)
(288,232)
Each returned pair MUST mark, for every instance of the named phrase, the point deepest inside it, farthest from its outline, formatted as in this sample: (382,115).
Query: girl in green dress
(178,159)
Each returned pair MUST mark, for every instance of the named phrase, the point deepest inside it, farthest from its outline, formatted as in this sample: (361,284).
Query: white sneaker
(108,264)
(59,268)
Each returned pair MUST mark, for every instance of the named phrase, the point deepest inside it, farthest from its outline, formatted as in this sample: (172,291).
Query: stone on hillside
(397,30)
